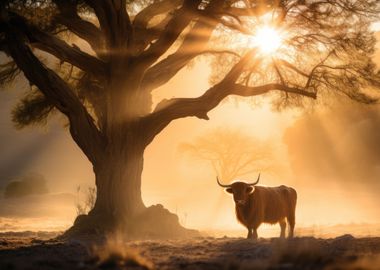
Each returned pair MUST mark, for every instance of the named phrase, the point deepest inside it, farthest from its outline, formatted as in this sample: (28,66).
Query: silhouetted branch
(142,18)
(69,17)
(237,26)
(311,74)
(292,67)
(57,47)
(180,20)
(194,44)
(214,52)
(143,37)
(169,110)
(165,70)
(114,23)
(82,125)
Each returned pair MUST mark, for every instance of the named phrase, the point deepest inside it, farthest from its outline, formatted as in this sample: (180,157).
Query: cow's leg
(292,215)
(283,228)
(249,233)
(292,222)
(254,232)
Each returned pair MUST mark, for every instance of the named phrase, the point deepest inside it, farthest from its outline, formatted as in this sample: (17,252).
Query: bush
(30,184)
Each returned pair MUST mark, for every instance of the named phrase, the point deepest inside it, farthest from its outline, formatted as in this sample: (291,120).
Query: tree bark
(118,173)
(118,182)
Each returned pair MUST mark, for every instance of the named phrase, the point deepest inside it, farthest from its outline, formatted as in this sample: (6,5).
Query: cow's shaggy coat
(255,205)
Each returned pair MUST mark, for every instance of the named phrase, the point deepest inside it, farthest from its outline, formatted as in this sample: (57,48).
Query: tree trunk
(119,205)
(118,182)
(118,174)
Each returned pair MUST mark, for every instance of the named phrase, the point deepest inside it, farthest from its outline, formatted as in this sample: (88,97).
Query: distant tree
(103,84)
(30,184)
(231,153)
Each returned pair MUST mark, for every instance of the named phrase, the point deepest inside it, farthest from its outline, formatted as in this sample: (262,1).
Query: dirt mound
(156,222)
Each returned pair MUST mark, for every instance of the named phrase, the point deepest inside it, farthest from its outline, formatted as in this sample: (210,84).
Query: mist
(328,155)
(334,153)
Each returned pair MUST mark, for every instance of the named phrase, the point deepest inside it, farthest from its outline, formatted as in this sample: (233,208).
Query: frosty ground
(42,251)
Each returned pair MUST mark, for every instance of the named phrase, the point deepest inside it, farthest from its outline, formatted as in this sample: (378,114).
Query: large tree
(104,89)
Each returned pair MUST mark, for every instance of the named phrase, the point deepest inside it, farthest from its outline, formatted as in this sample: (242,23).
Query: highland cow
(256,204)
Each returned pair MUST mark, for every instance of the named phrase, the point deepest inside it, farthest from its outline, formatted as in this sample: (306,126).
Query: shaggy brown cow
(255,205)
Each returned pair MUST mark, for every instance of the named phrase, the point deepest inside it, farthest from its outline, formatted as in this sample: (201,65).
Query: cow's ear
(229,190)
(249,189)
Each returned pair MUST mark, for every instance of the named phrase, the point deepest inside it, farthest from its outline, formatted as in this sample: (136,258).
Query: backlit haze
(330,154)
(267,39)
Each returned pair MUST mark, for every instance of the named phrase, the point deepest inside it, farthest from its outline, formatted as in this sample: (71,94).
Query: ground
(38,251)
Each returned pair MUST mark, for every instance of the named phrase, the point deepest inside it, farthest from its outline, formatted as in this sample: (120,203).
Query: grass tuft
(115,254)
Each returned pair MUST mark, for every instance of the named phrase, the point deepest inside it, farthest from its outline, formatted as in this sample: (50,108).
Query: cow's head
(240,190)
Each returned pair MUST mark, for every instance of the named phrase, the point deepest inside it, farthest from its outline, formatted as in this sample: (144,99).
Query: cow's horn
(220,184)
(253,184)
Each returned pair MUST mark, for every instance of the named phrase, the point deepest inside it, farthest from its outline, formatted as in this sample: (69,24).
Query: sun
(267,39)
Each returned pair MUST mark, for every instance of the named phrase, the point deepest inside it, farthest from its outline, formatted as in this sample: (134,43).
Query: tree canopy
(328,46)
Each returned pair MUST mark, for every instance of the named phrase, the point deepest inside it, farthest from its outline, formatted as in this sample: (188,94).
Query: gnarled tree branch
(114,23)
(194,44)
(180,20)
(169,110)
(82,125)
(69,17)
(57,47)
(142,18)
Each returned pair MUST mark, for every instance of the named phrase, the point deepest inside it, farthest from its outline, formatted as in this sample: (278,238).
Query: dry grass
(115,254)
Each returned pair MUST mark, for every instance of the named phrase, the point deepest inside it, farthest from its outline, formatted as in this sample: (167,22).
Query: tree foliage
(34,108)
(328,44)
